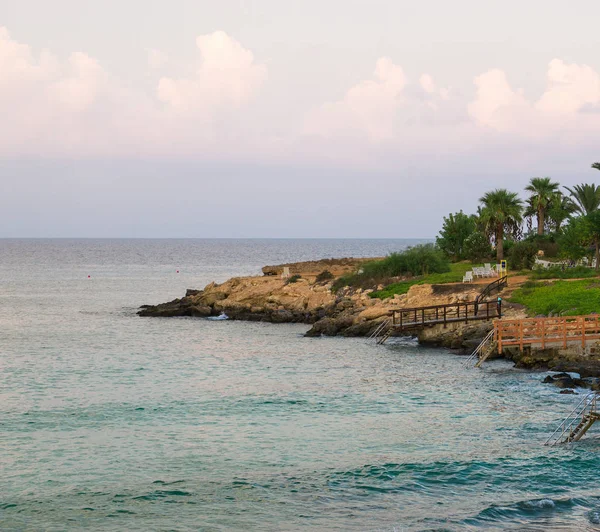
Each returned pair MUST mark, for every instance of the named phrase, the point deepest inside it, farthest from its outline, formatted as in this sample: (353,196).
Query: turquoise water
(114,422)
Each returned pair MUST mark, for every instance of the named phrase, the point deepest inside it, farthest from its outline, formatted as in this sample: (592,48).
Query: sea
(113,422)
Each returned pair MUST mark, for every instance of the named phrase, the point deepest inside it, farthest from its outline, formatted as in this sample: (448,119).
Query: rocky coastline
(304,298)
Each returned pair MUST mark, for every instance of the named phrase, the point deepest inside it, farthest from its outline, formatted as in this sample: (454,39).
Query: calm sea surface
(113,422)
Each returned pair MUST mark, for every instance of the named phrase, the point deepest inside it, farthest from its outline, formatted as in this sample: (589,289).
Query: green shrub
(418,260)
(456,229)
(293,279)
(324,276)
(546,243)
(477,247)
(455,275)
(522,255)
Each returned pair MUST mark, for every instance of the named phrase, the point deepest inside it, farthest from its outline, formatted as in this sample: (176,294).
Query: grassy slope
(455,275)
(568,298)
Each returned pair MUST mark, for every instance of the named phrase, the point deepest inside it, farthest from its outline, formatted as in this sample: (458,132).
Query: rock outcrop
(352,312)
(349,312)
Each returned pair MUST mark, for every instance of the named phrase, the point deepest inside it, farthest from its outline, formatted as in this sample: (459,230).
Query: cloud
(227,75)
(214,107)
(571,91)
(368,107)
(382,109)
(157,59)
(74,106)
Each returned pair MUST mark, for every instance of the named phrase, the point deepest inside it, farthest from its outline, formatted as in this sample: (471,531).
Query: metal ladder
(480,352)
(382,333)
(578,422)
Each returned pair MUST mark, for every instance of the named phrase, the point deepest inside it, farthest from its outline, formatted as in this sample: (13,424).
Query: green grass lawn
(455,275)
(568,298)
(580,272)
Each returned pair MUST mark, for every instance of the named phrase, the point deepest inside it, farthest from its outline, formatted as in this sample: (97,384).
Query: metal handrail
(494,285)
(379,329)
(576,413)
(479,348)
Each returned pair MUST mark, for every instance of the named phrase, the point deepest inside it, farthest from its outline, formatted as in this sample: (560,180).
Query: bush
(417,260)
(293,279)
(521,255)
(456,229)
(477,247)
(547,243)
(324,276)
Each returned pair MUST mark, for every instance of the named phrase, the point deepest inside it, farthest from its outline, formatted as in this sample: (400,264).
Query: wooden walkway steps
(578,422)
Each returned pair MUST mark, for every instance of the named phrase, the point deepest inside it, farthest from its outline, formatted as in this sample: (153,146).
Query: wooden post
(445,308)
(499,337)
(582,320)
(564,323)
(423,316)
(543,334)
(521,336)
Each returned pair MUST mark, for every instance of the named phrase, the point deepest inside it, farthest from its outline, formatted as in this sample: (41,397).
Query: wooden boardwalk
(419,317)
(543,332)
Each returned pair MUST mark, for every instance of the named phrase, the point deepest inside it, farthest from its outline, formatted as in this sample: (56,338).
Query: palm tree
(596,166)
(561,208)
(542,192)
(501,213)
(585,197)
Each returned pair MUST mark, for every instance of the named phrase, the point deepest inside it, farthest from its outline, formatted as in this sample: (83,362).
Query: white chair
(468,277)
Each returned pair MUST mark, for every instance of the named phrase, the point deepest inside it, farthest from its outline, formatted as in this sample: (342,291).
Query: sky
(278,118)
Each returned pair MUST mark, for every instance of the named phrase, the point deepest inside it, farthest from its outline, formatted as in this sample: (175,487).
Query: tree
(501,213)
(596,166)
(457,227)
(542,191)
(574,240)
(585,197)
(477,247)
(561,208)
(592,222)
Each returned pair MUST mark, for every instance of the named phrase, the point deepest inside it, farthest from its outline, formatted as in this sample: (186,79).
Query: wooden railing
(545,331)
(422,316)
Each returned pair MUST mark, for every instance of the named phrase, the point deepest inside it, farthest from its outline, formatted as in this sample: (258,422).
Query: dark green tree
(592,223)
(477,247)
(586,198)
(574,241)
(561,208)
(596,166)
(501,214)
(456,228)
(543,191)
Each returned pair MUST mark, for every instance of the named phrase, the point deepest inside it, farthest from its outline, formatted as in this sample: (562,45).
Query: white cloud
(382,109)
(369,107)
(427,83)
(226,75)
(570,90)
(74,106)
(157,58)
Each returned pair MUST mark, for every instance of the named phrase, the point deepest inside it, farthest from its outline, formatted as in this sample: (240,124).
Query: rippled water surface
(114,422)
